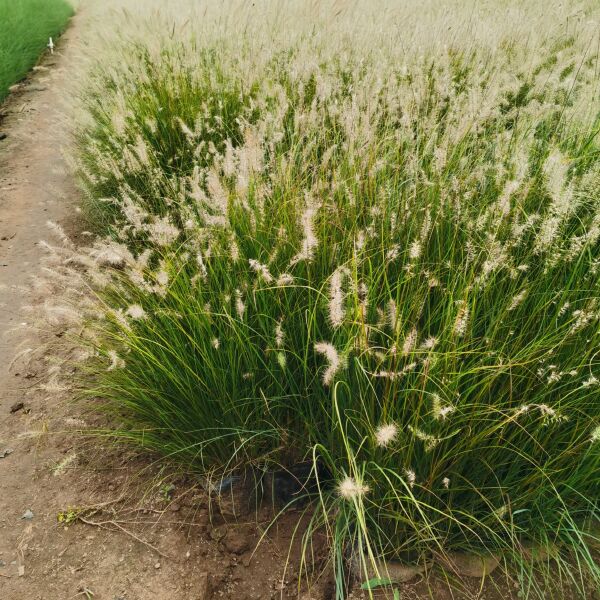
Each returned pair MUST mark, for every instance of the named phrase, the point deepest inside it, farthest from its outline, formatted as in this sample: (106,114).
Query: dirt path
(38,559)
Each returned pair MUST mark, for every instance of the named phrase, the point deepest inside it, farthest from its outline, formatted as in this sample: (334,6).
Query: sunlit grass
(25,29)
(390,267)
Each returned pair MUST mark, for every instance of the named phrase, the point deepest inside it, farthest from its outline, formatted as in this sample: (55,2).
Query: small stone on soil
(17,406)
(3,136)
(28,514)
(6,452)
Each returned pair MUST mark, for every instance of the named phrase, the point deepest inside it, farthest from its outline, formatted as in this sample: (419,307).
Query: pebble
(6,452)
(157,565)
(3,135)
(28,514)
(17,406)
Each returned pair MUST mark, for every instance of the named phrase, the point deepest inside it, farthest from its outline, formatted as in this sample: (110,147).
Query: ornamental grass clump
(386,261)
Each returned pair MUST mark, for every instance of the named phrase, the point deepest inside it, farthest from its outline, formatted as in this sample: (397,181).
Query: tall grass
(26,27)
(384,260)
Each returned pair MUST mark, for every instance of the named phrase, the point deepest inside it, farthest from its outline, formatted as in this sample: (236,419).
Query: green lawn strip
(25,29)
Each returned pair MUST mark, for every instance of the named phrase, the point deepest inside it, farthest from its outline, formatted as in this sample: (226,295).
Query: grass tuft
(383,261)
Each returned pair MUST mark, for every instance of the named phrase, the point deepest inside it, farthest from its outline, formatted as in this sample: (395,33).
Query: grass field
(364,237)
(25,28)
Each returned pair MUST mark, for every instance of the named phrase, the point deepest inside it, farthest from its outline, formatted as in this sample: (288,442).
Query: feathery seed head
(135,311)
(350,489)
(386,434)
(335,361)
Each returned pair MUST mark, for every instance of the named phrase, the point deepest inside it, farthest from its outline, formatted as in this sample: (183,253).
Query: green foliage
(172,111)
(396,275)
(26,28)
(375,583)
(68,516)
